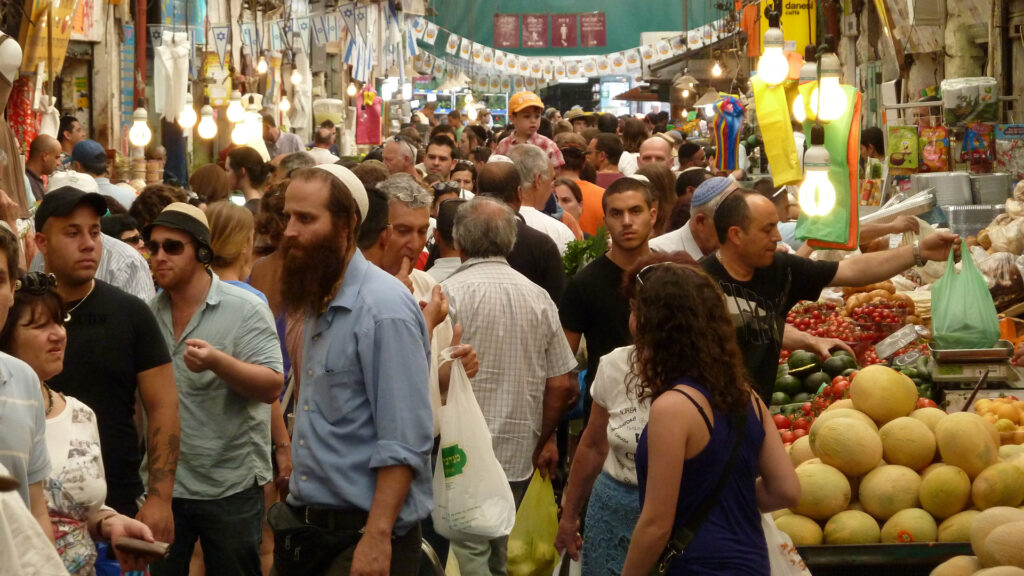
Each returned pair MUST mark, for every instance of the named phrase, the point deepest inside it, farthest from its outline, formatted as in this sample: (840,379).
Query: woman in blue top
(687,362)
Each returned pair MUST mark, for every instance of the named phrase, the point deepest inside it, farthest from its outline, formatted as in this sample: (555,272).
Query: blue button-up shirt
(363,403)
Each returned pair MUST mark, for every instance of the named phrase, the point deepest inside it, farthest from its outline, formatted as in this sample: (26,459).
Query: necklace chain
(75,307)
(49,397)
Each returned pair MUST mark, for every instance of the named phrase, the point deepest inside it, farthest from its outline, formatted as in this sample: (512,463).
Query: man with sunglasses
(114,351)
(227,363)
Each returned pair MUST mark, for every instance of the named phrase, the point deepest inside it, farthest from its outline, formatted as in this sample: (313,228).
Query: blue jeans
(229,529)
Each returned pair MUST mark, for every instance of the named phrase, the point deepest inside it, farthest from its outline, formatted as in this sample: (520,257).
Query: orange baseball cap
(522,100)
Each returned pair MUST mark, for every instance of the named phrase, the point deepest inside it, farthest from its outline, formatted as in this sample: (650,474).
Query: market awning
(639,94)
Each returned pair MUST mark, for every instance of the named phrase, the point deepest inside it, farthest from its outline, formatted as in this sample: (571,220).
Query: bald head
(655,150)
(43,155)
(500,180)
(43,144)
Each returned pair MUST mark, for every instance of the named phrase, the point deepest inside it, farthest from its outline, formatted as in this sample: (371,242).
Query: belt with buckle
(332,518)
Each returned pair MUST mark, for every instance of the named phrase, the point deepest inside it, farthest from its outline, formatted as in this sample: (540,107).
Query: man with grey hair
(535,178)
(285,164)
(523,386)
(323,139)
(399,155)
(397,250)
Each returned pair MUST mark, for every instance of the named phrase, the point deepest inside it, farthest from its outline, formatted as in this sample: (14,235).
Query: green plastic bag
(531,545)
(963,314)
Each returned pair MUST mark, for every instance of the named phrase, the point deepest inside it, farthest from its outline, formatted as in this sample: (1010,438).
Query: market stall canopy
(639,94)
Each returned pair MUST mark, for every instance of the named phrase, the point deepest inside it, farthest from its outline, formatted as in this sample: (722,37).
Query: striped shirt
(513,325)
(23,424)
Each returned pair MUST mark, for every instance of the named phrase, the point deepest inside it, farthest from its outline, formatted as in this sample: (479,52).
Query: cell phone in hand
(142,548)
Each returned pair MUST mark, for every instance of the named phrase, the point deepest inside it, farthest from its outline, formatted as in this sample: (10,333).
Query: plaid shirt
(543,142)
(513,325)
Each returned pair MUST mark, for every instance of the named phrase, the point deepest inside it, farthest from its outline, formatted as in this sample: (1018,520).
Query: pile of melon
(874,468)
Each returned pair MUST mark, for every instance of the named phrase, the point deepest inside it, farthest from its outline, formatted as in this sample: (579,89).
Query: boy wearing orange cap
(526,109)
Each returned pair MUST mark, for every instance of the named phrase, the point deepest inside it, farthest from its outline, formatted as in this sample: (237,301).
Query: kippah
(354,185)
(711,189)
(499,158)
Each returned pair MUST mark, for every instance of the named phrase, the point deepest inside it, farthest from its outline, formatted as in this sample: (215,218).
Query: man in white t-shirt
(535,178)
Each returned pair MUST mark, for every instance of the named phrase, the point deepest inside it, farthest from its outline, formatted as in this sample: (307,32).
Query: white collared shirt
(680,240)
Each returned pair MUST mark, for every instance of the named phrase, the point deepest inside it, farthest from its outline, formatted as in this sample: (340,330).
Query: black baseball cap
(64,200)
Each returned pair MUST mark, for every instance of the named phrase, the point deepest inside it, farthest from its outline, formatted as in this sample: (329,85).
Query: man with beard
(364,388)
(593,304)
(227,364)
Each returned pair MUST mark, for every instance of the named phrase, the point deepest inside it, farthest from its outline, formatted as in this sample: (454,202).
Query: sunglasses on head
(37,283)
(449,186)
(170,247)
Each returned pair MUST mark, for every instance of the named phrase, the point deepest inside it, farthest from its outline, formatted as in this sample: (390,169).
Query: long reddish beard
(311,271)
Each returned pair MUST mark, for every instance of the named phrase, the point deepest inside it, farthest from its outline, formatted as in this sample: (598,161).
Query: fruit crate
(904,559)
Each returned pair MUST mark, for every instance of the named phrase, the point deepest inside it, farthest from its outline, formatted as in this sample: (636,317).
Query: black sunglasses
(132,239)
(170,247)
(36,283)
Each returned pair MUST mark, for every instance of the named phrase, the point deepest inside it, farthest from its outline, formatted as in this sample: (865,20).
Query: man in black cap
(227,364)
(114,349)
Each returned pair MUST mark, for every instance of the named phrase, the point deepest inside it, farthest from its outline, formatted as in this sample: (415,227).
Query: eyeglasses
(36,283)
(132,239)
(170,247)
(449,186)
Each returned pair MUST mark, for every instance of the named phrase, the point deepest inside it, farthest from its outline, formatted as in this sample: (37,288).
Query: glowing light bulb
(829,95)
(686,92)
(471,113)
(716,70)
(817,195)
(296,76)
(187,118)
(261,66)
(351,90)
(808,73)
(236,113)
(709,111)
(207,125)
(285,104)
(469,98)
(773,66)
(240,133)
(140,134)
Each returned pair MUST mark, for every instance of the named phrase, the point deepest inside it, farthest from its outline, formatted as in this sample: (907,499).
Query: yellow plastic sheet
(772,110)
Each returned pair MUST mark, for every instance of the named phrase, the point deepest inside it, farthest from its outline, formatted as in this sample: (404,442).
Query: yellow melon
(780,513)
(1005,544)
(957,528)
(909,525)
(958,566)
(849,445)
(827,416)
(930,416)
(987,521)
(945,490)
(801,529)
(1001,484)
(883,393)
(964,441)
(888,489)
(852,527)
(839,404)
(800,450)
(824,491)
(1007,451)
(1000,571)
(908,442)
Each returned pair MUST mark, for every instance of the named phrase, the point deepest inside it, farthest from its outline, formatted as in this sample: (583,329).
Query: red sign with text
(506,31)
(592,29)
(563,30)
(535,30)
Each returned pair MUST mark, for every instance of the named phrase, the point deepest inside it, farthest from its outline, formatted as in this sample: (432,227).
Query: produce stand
(905,559)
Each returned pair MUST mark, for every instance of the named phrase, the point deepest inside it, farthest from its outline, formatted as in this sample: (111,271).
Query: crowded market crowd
(247,363)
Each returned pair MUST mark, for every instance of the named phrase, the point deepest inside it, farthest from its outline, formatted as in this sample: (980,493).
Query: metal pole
(141,35)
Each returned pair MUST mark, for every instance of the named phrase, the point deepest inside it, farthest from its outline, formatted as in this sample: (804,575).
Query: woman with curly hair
(687,362)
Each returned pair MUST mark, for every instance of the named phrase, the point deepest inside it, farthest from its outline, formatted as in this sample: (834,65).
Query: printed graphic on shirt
(754,317)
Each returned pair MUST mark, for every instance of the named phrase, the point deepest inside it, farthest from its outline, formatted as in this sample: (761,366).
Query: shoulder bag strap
(682,536)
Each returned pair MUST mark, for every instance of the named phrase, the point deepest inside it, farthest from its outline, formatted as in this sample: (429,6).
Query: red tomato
(801,424)
(799,433)
(926,403)
(781,422)
(854,374)
(838,379)
(806,408)
(839,389)
(788,437)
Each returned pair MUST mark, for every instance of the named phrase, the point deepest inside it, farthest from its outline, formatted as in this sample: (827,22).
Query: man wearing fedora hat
(227,364)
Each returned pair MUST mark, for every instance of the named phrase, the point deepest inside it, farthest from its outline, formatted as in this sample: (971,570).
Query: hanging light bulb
(829,95)
(187,118)
(236,113)
(207,125)
(253,118)
(140,134)
(817,195)
(686,92)
(472,113)
(296,76)
(285,104)
(351,90)
(716,70)
(469,98)
(808,73)
(261,66)
(773,67)
(240,133)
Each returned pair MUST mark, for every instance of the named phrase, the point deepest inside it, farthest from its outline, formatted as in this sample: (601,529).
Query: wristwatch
(917,254)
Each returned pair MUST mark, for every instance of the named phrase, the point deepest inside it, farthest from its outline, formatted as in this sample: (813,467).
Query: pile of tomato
(796,425)
(823,319)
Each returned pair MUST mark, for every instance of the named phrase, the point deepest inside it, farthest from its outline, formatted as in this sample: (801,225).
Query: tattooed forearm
(163,460)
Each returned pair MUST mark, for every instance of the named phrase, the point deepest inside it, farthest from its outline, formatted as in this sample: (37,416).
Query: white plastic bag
(782,554)
(472,497)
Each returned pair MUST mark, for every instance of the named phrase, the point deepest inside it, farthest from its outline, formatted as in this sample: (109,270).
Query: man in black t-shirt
(593,305)
(114,347)
(761,284)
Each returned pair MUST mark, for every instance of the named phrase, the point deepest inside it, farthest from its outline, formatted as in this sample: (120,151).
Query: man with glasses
(227,364)
(114,351)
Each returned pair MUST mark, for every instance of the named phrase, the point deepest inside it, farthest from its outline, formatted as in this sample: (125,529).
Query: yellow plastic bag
(531,545)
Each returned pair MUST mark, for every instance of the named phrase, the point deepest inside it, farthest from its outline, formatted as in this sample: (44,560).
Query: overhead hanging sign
(799,24)
(563,30)
(592,30)
(506,31)
(535,30)
(221,36)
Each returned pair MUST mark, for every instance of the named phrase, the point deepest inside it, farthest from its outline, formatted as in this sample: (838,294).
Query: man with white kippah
(697,237)
(227,365)
(364,387)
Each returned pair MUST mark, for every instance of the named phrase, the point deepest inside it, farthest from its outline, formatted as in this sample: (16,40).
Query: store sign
(535,30)
(127,81)
(506,31)
(799,20)
(592,30)
(563,30)
(34,33)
